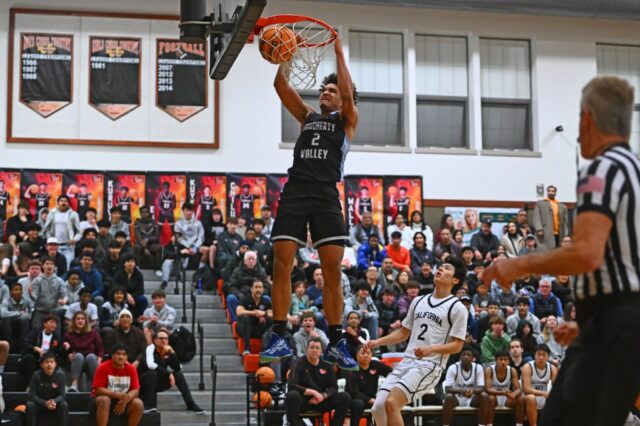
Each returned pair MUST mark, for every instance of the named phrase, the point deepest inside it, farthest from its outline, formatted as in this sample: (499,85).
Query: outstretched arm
(345,85)
(290,98)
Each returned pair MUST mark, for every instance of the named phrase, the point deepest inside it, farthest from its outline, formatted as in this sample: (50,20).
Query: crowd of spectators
(72,304)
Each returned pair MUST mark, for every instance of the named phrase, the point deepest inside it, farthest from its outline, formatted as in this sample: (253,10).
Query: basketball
(34,188)
(73,189)
(265,375)
(265,399)
(278,44)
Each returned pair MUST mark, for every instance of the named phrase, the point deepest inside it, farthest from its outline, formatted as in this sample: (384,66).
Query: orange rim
(292,19)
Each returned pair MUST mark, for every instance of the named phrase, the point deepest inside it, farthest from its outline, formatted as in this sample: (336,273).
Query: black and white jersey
(42,201)
(611,185)
(500,385)
(82,205)
(4,202)
(365,205)
(459,378)
(206,205)
(125,206)
(402,206)
(540,379)
(434,322)
(167,202)
(246,205)
(321,149)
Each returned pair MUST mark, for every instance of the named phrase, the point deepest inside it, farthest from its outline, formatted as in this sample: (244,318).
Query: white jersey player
(436,326)
(503,387)
(537,375)
(464,386)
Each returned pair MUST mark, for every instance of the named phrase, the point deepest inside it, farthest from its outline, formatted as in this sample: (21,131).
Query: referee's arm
(584,254)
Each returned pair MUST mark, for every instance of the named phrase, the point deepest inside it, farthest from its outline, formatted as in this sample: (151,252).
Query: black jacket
(363,384)
(319,377)
(43,387)
(134,283)
(152,360)
(34,339)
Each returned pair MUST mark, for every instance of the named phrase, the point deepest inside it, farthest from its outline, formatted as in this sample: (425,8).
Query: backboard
(228,32)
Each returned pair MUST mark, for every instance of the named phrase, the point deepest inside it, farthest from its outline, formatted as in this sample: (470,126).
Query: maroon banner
(246,195)
(206,192)
(166,193)
(402,195)
(9,193)
(364,194)
(84,189)
(125,190)
(40,189)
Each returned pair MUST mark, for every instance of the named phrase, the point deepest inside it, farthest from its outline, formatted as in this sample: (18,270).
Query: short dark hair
(121,234)
(232,220)
(119,347)
(115,209)
(361,286)
(187,206)
(32,226)
(47,355)
(552,186)
(386,291)
(104,223)
(85,290)
(460,269)
(493,303)
(62,197)
(333,79)
(48,259)
(501,353)
(86,254)
(73,272)
(258,221)
(114,244)
(92,209)
(308,314)
(127,258)
(396,234)
(89,231)
(13,284)
(542,347)
(159,293)
(412,284)
(314,339)
(524,300)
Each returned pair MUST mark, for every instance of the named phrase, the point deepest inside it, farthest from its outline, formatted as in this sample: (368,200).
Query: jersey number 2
(424,328)
(316,138)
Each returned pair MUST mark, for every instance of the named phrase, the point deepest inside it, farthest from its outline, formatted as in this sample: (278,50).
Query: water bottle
(199,286)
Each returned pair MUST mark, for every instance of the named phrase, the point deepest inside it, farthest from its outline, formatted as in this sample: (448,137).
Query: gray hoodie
(190,233)
(46,292)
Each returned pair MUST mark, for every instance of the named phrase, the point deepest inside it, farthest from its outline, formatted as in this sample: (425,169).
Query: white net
(300,60)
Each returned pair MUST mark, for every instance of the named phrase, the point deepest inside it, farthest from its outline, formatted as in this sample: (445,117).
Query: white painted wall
(563,60)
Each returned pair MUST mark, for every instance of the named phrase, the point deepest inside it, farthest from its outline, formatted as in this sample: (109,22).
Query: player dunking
(310,199)
(437,325)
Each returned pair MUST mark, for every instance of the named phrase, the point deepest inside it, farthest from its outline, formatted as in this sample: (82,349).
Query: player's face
(330,98)
(83,190)
(245,190)
(502,362)
(43,188)
(466,357)
(207,191)
(541,357)
(1,185)
(402,194)
(444,276)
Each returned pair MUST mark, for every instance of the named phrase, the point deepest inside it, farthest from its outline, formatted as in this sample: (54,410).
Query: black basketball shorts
(311,205)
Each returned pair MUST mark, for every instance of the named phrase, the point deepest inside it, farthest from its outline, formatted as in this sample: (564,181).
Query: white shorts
(414,378)
(540,401)
(501,401)
(463,401)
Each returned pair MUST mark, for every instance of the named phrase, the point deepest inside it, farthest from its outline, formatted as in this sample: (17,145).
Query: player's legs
(531,405)
(333,303)
(449,404)
(378,411)
(492,402)
(481,402)
(393,406)
(517,404)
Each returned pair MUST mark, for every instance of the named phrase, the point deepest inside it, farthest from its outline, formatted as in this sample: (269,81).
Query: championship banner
(364,194)
(125,190)
(402,195)
(84,190)
(246,195)
(114,76)
(40,189)
(181,73)
(9,193)
(469,219)
(166,193)
(275,184)
(207,192)
(46,64)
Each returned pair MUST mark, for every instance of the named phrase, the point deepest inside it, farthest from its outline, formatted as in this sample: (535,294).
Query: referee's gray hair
(610,101)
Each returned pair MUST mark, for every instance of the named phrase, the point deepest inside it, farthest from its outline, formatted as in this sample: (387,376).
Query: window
(505,78)
(442,91)
(623,62)
(376,66)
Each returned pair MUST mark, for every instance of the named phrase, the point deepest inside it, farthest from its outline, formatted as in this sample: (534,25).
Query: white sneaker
(159,273)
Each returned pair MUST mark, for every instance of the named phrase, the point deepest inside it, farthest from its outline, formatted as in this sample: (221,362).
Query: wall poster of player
(181,78)
(114,75)
(246,195)
(125,190)
(207,192)
(84,189)
(9,193)
(275,184)
(364,194)
(46,65)
(401,195)
(41,189)
(166,193)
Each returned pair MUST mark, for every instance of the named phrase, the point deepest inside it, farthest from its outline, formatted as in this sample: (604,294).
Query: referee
(600,376)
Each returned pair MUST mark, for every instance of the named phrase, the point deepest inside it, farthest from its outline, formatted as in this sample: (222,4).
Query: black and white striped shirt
(611,185)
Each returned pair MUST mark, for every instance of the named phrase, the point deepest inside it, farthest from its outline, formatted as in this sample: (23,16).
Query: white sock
(201,265)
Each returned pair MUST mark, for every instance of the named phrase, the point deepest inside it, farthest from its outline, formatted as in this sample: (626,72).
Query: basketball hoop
(313,36)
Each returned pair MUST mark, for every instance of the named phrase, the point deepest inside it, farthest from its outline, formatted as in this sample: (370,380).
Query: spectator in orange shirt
(399,254)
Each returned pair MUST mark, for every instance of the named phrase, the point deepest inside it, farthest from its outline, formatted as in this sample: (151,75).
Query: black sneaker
(163,285)
(195,409)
